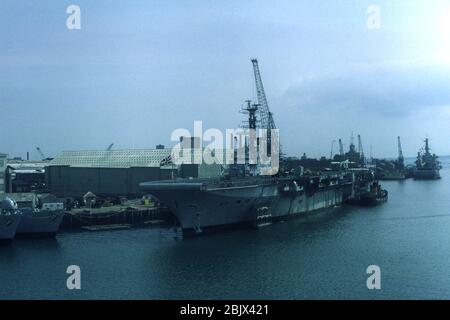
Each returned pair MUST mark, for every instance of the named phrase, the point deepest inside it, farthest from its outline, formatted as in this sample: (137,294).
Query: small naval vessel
(37,222)
(9,219)
(250,198)
(28,222)
(427,164)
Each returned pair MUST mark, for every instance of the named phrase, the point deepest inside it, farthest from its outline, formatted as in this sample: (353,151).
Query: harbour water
(324,256)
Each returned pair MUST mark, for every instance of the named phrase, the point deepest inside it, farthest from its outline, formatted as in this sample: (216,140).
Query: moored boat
(9,219)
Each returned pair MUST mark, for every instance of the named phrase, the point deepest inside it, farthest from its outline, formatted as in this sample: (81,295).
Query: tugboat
(427,165)
(9,219)
(367,190)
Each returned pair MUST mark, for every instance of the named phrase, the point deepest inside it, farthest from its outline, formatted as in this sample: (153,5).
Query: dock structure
(107,218)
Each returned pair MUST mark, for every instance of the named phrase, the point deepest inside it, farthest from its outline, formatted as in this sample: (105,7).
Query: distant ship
(9,220)
(427,165)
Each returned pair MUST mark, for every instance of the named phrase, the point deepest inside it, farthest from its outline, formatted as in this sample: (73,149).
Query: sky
(138,70)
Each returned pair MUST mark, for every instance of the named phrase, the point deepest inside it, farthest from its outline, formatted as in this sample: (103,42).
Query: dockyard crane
(341,148)
(265,116)
(332,147)
(360,147)
(401,159)
(43,157)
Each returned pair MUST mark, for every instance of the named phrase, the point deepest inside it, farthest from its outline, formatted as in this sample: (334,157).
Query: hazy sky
(137,70)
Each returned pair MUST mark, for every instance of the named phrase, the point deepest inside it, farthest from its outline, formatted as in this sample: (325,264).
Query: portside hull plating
(8,226)
(199,210)
(196,209)
(44,223)
(430,174)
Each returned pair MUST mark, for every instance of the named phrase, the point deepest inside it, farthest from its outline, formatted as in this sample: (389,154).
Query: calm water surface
(320,257)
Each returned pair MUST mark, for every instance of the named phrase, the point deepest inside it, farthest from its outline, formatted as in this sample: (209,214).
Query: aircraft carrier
(250,198)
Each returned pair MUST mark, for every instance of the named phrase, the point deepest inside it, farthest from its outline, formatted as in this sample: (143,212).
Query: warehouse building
(116,173)
(24,176)
(107,173)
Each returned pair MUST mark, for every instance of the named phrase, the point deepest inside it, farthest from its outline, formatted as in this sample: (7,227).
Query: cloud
(391,89)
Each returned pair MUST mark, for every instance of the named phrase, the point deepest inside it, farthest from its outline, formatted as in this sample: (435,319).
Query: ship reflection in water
(318,256)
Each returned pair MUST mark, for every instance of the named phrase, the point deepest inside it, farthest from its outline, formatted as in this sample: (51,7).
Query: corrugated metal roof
(120,158)
(25,165)
(111,159)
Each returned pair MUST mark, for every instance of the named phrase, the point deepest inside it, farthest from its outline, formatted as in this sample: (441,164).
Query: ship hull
(198,210)
(303,203)
(8,226)
(42,224)
(431,174)
(393,176)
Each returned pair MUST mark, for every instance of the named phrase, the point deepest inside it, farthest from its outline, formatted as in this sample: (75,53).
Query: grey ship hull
(8,226)
(199,208)
(303,203)
(43,223)
(426,174)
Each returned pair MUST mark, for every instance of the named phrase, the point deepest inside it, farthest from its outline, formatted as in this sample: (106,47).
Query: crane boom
(401,159)
(332,147)
(341,148)
(360,149)
(360,146)
(40,153)
(400,151)
(265,116)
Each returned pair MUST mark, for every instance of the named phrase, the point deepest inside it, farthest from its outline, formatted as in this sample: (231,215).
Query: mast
(251,109)
(251,143)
